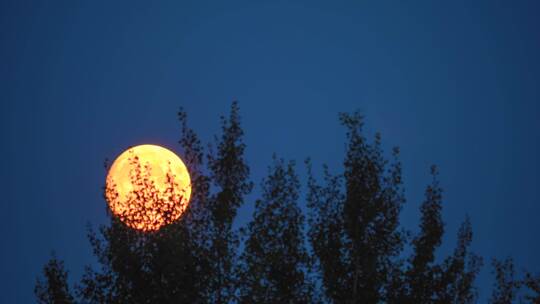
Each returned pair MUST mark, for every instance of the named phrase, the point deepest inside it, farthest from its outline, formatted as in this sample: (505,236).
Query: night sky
(453,83)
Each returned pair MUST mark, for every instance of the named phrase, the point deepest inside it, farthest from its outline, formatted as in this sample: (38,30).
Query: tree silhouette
(417,283)
(354,250)
(506,285)
(509,287)
(425,281)
(274,262)
(455,277)
(170,265)
(55,288)
(533,284)
(421,275)
(354,221)
(157,268)
(355,235)
(229,173)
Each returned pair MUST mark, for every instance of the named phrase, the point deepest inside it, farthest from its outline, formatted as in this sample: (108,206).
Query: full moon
(148,187)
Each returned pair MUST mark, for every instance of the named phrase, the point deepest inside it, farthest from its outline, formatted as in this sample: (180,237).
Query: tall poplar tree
(354,227)
(229,175)
(274,264)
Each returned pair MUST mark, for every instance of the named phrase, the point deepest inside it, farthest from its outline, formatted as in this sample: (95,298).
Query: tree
(356,239)
(190,260)
(506,285)
(142,267)
(55,288)
(455,277)
(325,234)
(354,220)
(169,265)
(532,282)
(423,280)
(416,283)
(274,262)
(229,174)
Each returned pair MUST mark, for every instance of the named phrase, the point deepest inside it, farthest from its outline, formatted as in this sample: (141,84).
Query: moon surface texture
(148,187)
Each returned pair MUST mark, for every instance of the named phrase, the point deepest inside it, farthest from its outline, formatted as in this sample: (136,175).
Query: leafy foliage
(55,289)
(509,287)
(532,282)
(274,262)
(355,217)
(229,173)
(353,249)
(148,207)
(506,285)
(420,277)
(170,265)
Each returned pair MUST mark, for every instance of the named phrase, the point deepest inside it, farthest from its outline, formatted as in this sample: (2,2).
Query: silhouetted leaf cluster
(509,288)
(146,207)
(55,288)
(273,264)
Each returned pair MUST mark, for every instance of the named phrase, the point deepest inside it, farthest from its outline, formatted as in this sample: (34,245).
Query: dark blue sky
(453,83)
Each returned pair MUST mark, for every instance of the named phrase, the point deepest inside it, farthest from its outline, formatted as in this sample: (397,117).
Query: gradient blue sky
(454,83)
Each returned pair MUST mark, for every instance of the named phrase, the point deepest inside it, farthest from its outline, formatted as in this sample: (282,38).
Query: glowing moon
(148,187)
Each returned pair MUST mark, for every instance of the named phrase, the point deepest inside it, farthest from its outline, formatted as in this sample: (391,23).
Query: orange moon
(148,187)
